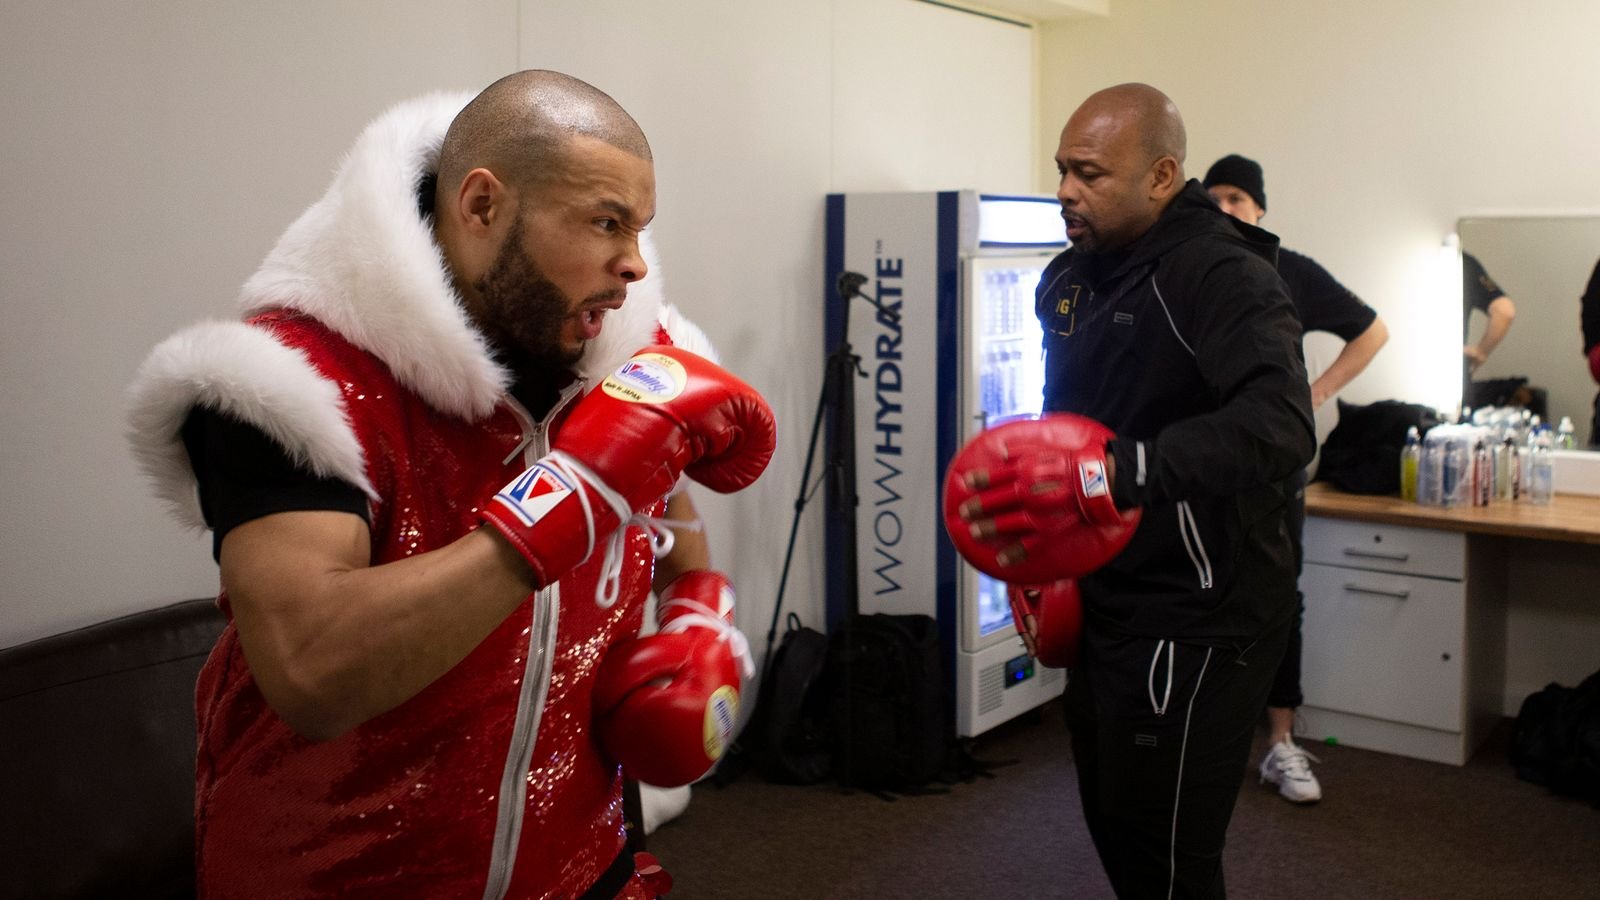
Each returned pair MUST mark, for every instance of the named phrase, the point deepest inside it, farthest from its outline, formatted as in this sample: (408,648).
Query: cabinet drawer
(1386,548)
(1382,645)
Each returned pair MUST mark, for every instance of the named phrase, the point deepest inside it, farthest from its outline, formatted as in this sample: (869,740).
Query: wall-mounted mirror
(1543,263)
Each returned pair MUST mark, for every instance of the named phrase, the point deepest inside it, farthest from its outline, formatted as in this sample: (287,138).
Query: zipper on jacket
(536,673)
(534,444)
(1189,530)
(524,733)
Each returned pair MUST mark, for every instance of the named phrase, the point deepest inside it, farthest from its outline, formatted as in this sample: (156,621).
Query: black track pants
(1286,691)
(1160,762)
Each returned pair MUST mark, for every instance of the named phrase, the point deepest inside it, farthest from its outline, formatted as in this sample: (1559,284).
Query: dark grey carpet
(1388,827)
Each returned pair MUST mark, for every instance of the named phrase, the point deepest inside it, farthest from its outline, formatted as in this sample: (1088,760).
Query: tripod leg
(799,507)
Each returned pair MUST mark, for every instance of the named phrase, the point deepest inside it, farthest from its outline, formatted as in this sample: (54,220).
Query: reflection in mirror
(1543,264)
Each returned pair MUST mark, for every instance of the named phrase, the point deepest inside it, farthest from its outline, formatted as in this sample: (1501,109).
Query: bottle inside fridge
(1011,363)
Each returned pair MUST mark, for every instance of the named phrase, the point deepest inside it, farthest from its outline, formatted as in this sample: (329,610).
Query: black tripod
(838,394)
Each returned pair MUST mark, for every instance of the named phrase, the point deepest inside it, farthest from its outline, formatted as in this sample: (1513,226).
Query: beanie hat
(1244,174)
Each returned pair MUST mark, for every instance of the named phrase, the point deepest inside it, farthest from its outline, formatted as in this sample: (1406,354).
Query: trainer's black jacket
(1187,346)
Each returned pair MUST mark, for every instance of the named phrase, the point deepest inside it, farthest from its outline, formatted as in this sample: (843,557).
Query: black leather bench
(97,746)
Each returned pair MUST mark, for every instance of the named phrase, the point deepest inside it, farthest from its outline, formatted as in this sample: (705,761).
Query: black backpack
(787,737)
(888,703)
(1362,453)
(1556,739)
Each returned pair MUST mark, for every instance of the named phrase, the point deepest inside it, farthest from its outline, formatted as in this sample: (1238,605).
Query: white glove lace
(659,529)
(699,615)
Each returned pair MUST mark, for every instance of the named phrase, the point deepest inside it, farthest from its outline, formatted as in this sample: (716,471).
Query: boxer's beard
(525,314)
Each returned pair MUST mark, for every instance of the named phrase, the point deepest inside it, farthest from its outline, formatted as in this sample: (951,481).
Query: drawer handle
(1358,589)
(1368,554)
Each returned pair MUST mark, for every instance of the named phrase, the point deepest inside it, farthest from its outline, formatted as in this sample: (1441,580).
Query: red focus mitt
(1057,613)
(1028,502)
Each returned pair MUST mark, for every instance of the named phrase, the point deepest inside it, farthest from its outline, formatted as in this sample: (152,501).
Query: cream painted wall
(155,151)
(1378,125)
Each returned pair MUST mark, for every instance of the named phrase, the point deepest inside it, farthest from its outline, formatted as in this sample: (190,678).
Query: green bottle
(1409,457)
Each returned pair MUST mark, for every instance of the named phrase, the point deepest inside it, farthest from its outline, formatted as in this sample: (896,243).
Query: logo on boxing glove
(647,378)
(535,493)
(1092,473)
(722,714)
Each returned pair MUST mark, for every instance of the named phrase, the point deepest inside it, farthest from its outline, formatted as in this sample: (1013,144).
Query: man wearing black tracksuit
(1167,322)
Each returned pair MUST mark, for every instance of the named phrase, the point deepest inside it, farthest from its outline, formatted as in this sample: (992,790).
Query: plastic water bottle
(986,379)
(1565,440)
(1519,475)
(1456,484)
(1541,469)
(1013,369)
(1410,459)
(1430,471)
(1505,469)
(1482,473)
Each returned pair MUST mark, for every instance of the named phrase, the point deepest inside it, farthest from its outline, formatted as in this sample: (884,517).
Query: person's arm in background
(1352,360)
(690,549)
(1502,311)
(1328,306)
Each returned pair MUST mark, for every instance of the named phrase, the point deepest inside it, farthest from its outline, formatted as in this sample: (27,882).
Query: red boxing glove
(1057,613)
(1043,483)
(666,704)
(1594,362)
(664,412)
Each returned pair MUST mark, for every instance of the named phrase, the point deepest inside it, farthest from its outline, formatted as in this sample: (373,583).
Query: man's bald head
(520,126)
(1121,163)
(1151,117)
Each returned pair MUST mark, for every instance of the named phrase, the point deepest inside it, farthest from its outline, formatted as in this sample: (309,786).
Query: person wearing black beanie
(1237,185)
(1244,175)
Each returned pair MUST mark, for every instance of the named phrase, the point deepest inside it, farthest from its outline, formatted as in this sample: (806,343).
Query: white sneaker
(1286,766)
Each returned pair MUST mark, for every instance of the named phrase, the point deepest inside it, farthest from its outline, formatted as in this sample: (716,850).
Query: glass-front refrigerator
(953,347)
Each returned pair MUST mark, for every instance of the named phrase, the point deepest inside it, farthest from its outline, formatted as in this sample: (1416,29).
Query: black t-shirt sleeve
(1322,303)
(243,475)
(1477,288)
(1590,310)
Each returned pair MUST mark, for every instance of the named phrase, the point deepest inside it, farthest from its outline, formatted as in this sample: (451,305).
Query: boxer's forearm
(333,641)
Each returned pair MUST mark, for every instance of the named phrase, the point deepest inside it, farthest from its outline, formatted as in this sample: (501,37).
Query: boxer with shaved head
(434,453)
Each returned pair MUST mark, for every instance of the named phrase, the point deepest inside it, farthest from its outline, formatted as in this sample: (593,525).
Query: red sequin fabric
(409,804)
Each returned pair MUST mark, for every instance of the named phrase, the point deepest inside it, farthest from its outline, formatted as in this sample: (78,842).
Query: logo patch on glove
(647,378)
(1093,473)
(722,713)
(534,494)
